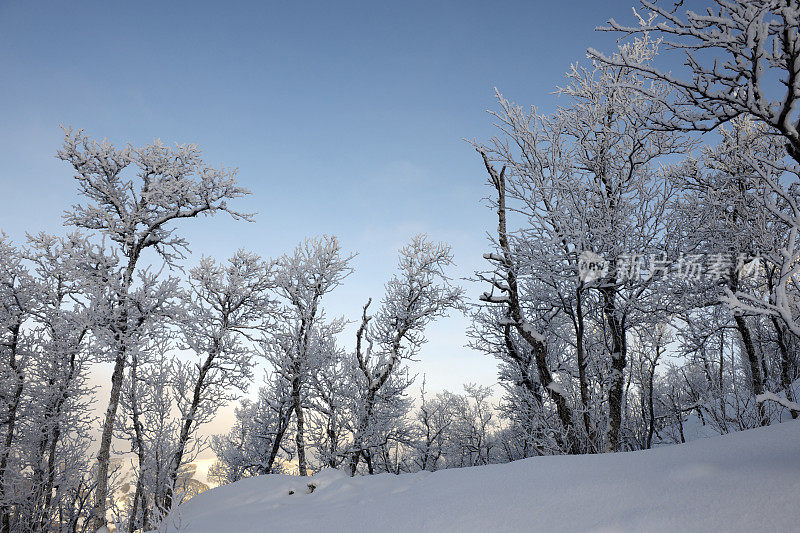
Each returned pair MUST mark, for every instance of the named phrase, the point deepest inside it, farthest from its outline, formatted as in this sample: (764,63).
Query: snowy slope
(748,481)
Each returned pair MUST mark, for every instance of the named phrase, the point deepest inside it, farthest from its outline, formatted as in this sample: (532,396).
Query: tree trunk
(276,442)
(332,444)
(581,355)
(137,495)
(299,436)
(5,507)
(369,406)
(139,443)
(51,472)
(368,460)
(786,362)
(756,380)
(619,351)
(104,454)
(651,427)
(355,456)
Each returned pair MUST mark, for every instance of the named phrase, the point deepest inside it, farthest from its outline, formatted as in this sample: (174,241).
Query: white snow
(769,396)
(747,481)
(527,328)
(557,388)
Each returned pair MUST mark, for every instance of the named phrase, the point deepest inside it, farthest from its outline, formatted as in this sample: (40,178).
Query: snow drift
(745,481)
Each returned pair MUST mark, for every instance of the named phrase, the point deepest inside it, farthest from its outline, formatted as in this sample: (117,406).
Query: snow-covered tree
(725,221)
(43,385)
(297,344)
(330,399)
(527,308)
(472,438)
(433,420)
(61,398)
(740,59)
(254,444)
(134,198)
(147,403)
(650,347)
(584,181)
(415,296)
(17,295)
(226,305)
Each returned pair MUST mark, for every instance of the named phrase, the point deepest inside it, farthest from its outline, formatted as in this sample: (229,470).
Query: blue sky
(344,118)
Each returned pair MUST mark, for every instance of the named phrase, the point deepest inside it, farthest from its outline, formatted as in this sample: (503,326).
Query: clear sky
(343,118)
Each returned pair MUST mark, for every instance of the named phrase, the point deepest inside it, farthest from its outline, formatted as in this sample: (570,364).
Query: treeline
(639,278)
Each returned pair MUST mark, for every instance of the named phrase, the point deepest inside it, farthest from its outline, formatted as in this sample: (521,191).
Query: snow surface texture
(747,481)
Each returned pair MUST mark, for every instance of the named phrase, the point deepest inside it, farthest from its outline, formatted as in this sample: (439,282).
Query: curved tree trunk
(537,344)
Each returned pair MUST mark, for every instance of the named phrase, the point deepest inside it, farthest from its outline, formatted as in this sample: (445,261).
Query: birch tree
(17,295)
(227,304)
(134,199)
(296,345)
(415,296)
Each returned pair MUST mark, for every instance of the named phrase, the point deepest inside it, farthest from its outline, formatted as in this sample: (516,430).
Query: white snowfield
(747,481)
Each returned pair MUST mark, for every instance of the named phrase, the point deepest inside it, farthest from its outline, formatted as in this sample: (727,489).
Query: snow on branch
(772,397)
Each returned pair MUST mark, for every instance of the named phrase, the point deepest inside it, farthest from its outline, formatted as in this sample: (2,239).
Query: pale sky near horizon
(343,119)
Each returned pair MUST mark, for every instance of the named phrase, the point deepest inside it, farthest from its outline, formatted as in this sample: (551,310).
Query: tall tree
(415,296)
(134,213)
(227,304)
(296,345)
(585,181)
(17,293)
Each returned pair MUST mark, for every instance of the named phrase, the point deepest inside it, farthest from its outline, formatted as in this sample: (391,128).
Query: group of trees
(92,297)
(694,244)
(348,406)
(181,347)
(640,276)
(694,313)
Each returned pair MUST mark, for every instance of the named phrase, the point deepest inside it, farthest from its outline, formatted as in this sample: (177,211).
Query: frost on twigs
(414,297)
(734,52)
(135,194)
(133,200)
